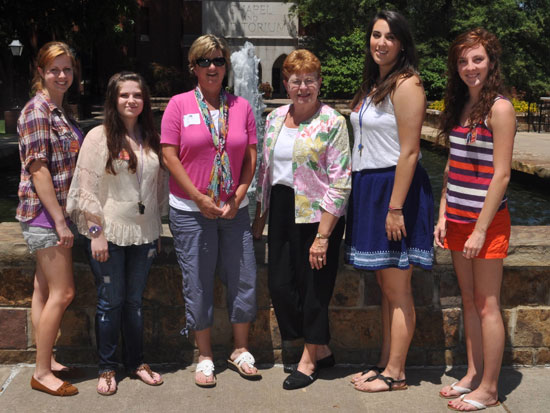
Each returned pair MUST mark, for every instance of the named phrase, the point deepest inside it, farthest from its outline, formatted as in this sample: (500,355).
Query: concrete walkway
(531,151)
(521,390)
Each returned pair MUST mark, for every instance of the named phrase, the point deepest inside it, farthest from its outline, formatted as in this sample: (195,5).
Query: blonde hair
(301,61)
(46,55)
(205,45)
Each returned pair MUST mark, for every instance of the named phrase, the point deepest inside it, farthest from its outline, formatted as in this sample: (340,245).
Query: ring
(319,258)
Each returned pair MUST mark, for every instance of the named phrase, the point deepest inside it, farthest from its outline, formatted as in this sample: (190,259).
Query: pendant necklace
(141,207)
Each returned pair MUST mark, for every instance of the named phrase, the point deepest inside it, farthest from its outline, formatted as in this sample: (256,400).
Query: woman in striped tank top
(474,222)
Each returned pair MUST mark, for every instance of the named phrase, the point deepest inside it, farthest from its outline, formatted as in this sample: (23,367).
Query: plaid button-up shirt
(44,134)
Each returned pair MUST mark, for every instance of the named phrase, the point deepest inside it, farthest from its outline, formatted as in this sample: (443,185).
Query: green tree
(342,59)
(523,28)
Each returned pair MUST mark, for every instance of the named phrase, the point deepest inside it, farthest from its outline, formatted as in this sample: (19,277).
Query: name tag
(191,119)
(74,147)
(124,155)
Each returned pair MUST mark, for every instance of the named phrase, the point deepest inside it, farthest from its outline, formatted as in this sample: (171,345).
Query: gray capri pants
(200,243)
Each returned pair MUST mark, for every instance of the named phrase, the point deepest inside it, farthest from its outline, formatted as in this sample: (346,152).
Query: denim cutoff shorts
(38,238)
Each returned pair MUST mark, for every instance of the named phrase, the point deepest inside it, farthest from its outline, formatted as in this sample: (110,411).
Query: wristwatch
(321,236)
(95,231)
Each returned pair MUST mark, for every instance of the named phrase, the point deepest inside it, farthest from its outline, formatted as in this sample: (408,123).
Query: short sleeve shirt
(45,134)
(183,126)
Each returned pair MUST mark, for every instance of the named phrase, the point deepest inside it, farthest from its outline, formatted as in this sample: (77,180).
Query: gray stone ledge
(529,247)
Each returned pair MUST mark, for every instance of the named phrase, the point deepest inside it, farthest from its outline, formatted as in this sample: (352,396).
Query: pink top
(182,125)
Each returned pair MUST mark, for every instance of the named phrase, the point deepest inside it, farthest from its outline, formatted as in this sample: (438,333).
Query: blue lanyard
(362,111)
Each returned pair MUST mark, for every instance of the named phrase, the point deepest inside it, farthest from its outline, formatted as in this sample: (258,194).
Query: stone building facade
(166,29)
(268,25)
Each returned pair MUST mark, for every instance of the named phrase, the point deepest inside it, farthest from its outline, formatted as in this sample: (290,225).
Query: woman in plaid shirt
(49,142)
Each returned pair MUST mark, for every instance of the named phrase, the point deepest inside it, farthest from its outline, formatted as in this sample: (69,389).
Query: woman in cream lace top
(116,198)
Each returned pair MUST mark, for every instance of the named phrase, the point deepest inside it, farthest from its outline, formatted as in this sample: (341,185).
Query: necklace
(139,173)
(139,176)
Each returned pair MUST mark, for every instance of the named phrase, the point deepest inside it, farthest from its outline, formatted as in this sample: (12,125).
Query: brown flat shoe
(108,376)
(146,367)
(66,389)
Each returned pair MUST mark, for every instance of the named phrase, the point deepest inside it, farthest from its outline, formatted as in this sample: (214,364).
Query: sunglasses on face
(203,62)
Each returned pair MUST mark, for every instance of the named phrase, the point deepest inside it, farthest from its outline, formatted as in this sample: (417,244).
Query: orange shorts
(496,241)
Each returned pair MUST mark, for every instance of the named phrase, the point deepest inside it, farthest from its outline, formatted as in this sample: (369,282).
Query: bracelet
(321,236)
(390,208)
(95,231)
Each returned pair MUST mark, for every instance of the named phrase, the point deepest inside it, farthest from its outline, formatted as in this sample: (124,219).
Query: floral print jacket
(321,164)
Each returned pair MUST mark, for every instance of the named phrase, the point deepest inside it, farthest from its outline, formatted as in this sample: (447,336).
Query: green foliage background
(337,30)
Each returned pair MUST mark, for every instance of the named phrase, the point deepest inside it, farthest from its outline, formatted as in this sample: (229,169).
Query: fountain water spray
(245,82)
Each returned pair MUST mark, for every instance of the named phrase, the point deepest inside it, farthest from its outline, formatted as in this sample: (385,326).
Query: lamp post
(16,47)
(10,116)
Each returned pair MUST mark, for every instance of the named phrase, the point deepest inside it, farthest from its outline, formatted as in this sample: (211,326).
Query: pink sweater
(183,125)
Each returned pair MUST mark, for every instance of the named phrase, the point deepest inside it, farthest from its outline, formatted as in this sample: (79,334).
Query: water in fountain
(244,63)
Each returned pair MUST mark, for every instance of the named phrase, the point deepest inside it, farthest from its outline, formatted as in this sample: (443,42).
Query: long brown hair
(115,130)
(456,94)
(404,67)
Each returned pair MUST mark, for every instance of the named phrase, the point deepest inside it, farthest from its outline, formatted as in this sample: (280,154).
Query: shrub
(520,106)
(437,105)
(342,69)
(167,80)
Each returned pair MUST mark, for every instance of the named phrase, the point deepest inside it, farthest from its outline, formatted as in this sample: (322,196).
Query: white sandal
(207,368)
(244,357)
(477,405)
(461,390)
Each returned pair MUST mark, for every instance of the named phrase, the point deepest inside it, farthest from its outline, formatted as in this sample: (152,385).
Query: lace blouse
(112,200)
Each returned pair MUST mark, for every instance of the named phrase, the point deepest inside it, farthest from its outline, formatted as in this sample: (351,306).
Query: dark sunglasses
(203,62)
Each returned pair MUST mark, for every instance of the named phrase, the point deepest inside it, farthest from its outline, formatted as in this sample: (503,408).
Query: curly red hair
(456,93)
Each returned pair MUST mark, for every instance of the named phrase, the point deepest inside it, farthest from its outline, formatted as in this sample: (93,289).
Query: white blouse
(281,173)
(113,199)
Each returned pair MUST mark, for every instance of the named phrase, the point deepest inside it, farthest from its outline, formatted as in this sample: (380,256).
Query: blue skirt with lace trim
(367,246)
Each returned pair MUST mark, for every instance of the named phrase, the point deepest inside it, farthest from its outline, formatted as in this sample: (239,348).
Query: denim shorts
(38,238)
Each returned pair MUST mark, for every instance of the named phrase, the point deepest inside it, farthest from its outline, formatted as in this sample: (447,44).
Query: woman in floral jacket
(305,181)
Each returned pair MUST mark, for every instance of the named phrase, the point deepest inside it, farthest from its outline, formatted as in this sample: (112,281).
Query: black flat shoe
(289,368)
(326,362)
(297,380)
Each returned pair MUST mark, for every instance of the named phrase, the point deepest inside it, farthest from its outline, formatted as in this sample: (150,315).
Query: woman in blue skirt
(390,216)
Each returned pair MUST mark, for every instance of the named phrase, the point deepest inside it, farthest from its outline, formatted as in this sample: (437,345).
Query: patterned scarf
(220,176)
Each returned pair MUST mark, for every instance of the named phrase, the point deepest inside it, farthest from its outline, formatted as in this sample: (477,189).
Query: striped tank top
(470,172)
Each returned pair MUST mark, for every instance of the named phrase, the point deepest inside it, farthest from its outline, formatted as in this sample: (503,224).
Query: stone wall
(355,321)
